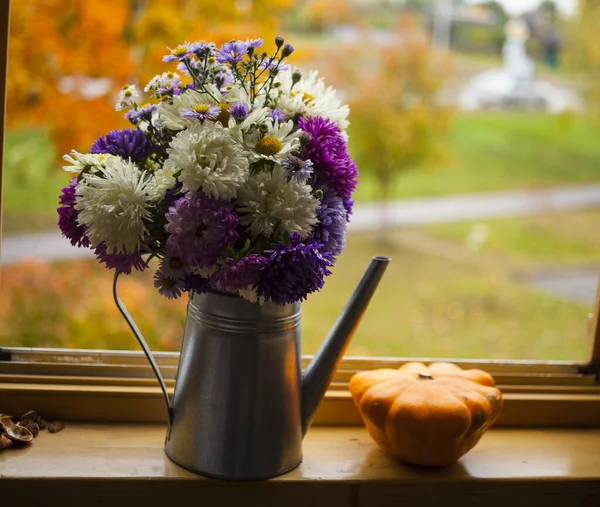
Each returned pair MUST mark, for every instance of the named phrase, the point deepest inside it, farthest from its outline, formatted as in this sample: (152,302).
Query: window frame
(119,385)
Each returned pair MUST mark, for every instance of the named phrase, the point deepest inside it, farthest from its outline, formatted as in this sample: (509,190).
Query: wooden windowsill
(124,464)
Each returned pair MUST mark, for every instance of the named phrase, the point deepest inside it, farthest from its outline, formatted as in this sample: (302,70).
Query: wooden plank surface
(121,464)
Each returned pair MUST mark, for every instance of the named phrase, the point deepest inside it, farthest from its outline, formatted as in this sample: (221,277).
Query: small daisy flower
(171,288)
(274,141)
(310,96)
(298,169)
(144,113)
(232,52)
(201,112)
(163,83)
(174,267)
(181,52)
(127,97)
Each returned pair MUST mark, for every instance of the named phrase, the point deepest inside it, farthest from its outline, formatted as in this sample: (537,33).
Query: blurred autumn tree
(68,58)
(583,51)
(397,117)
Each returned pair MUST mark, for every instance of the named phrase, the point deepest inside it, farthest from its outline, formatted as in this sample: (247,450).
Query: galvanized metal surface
(237,404)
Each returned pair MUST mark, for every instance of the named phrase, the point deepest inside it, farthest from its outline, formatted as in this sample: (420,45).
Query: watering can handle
(144,346)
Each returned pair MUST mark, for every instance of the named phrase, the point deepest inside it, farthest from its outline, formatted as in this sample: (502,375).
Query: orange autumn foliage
(68,59)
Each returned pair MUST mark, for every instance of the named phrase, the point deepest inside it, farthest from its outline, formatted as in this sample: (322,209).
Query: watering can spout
(321,369)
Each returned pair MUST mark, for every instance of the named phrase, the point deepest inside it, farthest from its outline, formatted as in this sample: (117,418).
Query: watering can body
(242,405)
(237,410)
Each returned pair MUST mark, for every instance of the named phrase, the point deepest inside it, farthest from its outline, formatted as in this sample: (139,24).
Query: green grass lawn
(500,151)
(433,307)
(555,237)
(33,178)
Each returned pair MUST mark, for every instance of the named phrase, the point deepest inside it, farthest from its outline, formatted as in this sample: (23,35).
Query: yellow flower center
(179,51)
(224,115)
(201,108)
(307,98)
(268,145)
(128,93)
(170,75)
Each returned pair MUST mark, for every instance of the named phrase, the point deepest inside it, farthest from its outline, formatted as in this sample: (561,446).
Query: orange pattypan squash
(426,415)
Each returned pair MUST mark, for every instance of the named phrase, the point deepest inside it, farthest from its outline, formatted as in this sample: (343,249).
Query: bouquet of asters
(236,177)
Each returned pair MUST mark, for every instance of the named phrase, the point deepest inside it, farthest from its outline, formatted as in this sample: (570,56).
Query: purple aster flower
(254,43)
(277,115)
(232,52)
(201,112)
(273,64)
(181,52)
(294,270)
(332,216)
(298,169)
(200,227)
(329,154)
(223,77)
(287,50)
(238,275)
(349,205)
(171,288)
(125,143)
(169,85)
(141,114)
(204,49)
(121,262)
(238,110)
(67,216)
(183,68)
(196,283)
(173,267)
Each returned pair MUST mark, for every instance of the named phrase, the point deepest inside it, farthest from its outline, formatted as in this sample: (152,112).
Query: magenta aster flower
(238,275)
(200,227)
(121,262)
(328,152)
(67,216)
(125,143)
(294,271)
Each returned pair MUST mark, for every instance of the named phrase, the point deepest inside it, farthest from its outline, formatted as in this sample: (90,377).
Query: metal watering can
(241,405)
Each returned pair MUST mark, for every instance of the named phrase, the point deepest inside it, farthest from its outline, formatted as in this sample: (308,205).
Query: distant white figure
(516,60)
(513,86)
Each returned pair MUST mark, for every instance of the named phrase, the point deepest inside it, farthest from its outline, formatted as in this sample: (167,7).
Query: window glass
(473,125)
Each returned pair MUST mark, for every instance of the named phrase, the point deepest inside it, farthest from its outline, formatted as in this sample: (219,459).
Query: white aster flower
(311,97)
(169,114)
(127,97)
(79,161)
(162,180)
(209,159)
(113,206)
(163,82)
(274,141)
(268,203)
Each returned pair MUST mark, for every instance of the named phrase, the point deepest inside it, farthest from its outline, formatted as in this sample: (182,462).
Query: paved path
(411,212)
